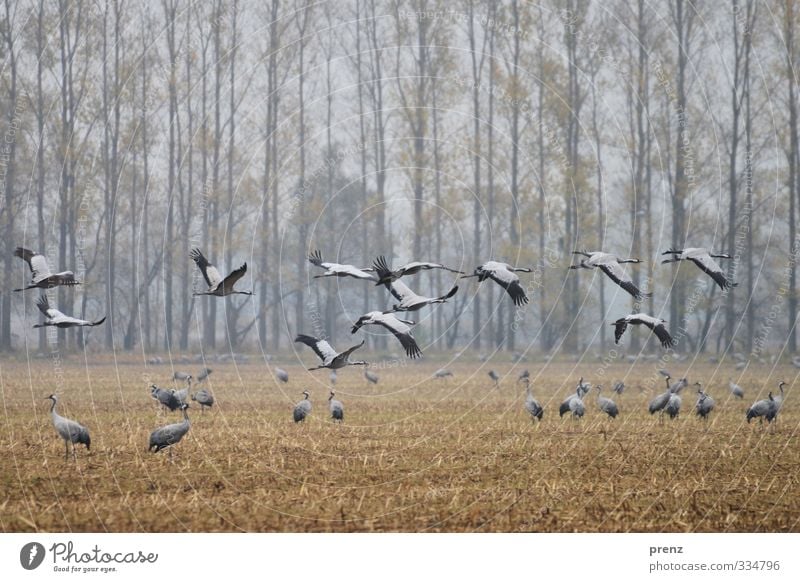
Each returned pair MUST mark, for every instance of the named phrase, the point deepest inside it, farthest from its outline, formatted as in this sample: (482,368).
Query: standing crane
(217,286)
(166,398)
(504,275)
(302,408)
(531,404)
(573,404)
(761,409)
(282,375)
(171,434)
(203,375)
(619,387)
(336,408)
(182,377)
(704,404)
(400,328)
(673,407)
(69,430)
(495,378)
(656,326)
(337,270)
(610,265)
(525,376)
(736,390)
(779,399)
(41,276)
(704,259)
(606,404)
(53,317)
(330,357)
(204,398)
(371,377)
(388,275)
(658,403)
(442,373)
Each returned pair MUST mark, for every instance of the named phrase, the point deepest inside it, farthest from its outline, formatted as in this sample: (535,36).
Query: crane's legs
(66,450)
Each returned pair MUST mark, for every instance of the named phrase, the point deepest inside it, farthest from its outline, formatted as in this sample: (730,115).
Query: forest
(455,132)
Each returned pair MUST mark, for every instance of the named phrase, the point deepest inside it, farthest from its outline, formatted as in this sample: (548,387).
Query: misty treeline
(454,132)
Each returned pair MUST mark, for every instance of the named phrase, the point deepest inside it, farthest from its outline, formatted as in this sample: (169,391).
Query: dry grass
(414,455)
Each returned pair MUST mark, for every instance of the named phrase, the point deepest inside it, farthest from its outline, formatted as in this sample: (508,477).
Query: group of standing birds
(612,267)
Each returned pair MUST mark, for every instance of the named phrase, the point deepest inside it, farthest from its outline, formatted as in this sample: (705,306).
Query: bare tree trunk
(794,191)
(302,20)
(170,9)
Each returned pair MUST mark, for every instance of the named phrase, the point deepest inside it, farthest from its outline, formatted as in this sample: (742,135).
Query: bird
(606,404)
(761,409)
(400,328)
(493,375)
(704,259)
(387,274)
(282,375)
(69,430)
(336,407)
(166,398)
(524,376)
(203,376)
(410,301)
(182,377)
(658,403)
(532,405)
(619,387)
(779,399)
(181,395)
(204,398)
(573,404)
(735,389)
(371,377)
(217,286)
(330,357)
(302,408)
(337,270)
(673,407)
(171,434)
(442,373)
(664,373)
(583,387)
(679,385)
(41,277)
(57,319)
(704,404)
(333,377)
(504,275)
(610,265)
(655,324)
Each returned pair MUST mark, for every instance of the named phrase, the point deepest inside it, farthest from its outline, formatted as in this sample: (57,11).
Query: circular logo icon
(31,555)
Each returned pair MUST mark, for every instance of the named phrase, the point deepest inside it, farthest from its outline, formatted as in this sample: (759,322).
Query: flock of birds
(382,273)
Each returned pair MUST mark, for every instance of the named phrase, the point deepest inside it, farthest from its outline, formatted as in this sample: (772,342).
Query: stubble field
(414,453)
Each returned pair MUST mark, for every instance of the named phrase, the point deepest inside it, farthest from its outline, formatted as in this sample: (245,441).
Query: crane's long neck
(186,416)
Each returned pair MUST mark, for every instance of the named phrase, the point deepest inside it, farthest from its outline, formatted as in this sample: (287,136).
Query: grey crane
(203,375)
(664,373)
(606,404)
(171,434)
(504,275)
(493,375)
(204,398)
(41,276)
(217,286)
(524,376)
(611,266)
(704,404)
(182,377)
(442,373)
(673,407)
(386,274)
(531,404)
(656,326)
(337,270)
(658,403)
(181,394)
(735,389)
(330,357)
(333,377)
(583,387)
(573,404)
(69,430)
(371,377)
(679,385)
(282,375)
(761,409)
(779,399)
(408,300)
(302,408)
(54,318)
(336,408)
(400,328)
(704,259)
(166,398)
(619,387)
